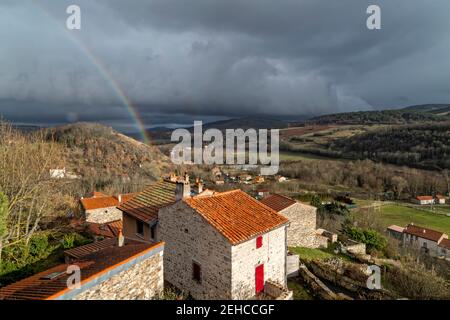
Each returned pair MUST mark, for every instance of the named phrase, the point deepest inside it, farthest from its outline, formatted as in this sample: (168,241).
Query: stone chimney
(199,185)
(121,238)
(119,197)
(183,189)
(173,177)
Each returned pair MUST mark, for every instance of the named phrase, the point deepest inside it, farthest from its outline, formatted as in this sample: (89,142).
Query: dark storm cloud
(220,58)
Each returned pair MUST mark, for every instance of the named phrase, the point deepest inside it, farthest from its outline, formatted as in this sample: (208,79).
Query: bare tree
(25,163)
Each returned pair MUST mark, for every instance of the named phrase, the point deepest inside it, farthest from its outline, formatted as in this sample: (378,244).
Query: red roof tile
(424,198)
(145,205)
(92,266)
(278,202)
(424,233)
(80,252)
(236,215)
(107,230)
(98,201)
(445,243)
(396,228)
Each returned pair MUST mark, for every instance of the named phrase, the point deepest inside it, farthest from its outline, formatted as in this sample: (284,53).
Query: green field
(402,215)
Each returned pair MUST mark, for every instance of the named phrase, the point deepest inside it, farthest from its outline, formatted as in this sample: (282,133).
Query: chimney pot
(121,238)
(183,190)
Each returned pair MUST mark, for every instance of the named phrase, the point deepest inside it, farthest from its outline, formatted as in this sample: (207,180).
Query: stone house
(101,208)
(444,248)
(215,254)
(140,214)
(302,230)
(223,246)
(395,231)
(109,270)
(432,242)
(440,199)
(423,200)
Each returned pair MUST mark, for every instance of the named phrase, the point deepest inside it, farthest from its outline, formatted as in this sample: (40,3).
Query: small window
(153,231)
(196,272)
(259,242)
(139,227)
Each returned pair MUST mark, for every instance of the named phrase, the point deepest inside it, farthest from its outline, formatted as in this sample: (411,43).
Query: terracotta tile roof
(424,233)
(445,243)
(424,198)
(99,202)
(80,252)
(107,230)
(440,197)
(236,215)
(145,205)
(128,196)
(52,283)
(102,201)
(278,202)
(396,228)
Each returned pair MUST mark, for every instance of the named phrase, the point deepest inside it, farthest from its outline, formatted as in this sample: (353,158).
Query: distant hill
(409,115)
(95,150)
(159,135)
(421,145)
(438,109)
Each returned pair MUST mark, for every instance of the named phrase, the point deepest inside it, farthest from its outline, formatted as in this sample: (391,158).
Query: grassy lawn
(307,254)
(445,209)
(300,293)
(311,254)
(401,215)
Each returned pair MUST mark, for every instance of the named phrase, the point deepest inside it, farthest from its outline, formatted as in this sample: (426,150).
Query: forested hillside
(401,116)
(426,146)
(102,156)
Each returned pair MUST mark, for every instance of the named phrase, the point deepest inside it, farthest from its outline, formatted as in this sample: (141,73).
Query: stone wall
(418,242)
(302,228)
(189,238)
(103,215)
(277,292)
(293,263)
(319,289)
(246,257)
(142,281)
(356,248)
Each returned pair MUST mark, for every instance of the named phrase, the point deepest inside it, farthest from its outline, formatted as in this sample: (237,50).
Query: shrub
(372,239)
(68,241)
(414,281)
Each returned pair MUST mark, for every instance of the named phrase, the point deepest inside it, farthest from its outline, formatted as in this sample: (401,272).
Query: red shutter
(259,279)
(259,242)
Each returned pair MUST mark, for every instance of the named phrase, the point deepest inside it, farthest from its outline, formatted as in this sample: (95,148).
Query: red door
(259,278)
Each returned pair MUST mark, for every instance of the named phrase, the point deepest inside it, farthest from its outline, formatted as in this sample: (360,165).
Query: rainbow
(101,68)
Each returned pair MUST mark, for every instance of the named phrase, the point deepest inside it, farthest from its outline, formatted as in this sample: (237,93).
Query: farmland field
(402,215)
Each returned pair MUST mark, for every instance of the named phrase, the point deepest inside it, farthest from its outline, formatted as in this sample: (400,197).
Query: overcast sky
(177,60)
